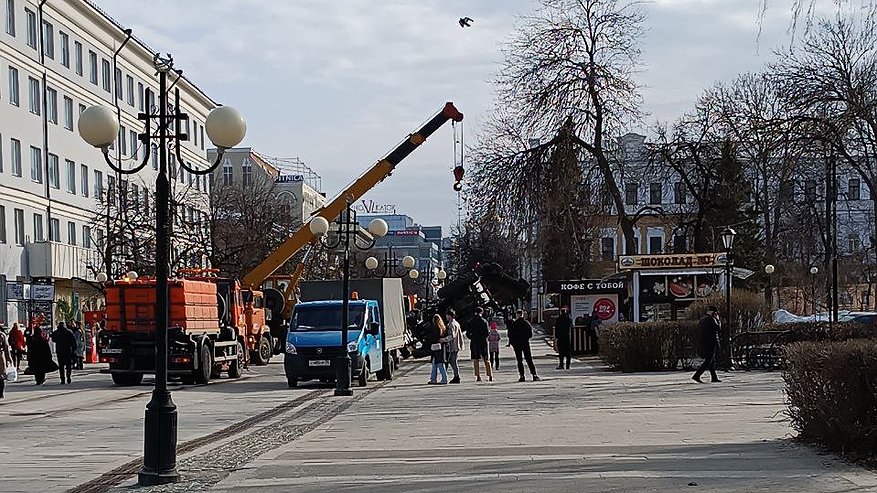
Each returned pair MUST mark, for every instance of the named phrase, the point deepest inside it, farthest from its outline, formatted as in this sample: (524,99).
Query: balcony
(61,261)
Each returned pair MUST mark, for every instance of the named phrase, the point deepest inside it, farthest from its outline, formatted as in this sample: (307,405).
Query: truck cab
(313,342)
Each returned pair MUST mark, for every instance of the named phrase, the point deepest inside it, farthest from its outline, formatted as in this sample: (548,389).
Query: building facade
(56,60)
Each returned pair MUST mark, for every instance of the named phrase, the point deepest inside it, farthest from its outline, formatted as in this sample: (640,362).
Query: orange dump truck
(199,346)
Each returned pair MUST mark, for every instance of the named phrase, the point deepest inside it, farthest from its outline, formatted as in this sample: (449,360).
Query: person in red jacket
(17,344)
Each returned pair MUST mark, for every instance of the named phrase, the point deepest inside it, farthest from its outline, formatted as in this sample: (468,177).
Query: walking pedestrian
(709,328)
(519,335)
(17,345)
(39,354)
(5,361)
(478,333)
(437,339)
(79,350)
(455,343)
(594,322)
(65,349)
(562,334)
(493,345)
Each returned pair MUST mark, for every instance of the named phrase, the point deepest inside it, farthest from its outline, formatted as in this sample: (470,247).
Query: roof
(331,303)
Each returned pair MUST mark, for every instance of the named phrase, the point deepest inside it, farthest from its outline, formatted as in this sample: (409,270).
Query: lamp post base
(160,449)
(342,378)
(343,392)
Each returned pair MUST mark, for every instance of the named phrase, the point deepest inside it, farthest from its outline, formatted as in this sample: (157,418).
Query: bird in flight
(466,21)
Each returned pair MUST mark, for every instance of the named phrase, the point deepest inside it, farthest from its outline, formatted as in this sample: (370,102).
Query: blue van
(313,343)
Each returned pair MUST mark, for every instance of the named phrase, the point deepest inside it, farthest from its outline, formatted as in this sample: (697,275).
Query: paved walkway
(579,430)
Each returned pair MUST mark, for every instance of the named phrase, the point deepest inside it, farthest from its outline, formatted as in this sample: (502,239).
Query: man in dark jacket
(519,334)
(709,328)
(65,348)
(477,333)
(562,334)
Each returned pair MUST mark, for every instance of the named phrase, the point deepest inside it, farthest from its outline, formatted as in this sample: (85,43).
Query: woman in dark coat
(437,339)
(65,348)
(39,355)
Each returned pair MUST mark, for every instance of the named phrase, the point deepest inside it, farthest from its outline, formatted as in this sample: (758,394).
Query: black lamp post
(728,236)
(99,127)
(347,227)
(390,268)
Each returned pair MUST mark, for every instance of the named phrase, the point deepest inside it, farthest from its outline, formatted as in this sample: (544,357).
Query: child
(493,345)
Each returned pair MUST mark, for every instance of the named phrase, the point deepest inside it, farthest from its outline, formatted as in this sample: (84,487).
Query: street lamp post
(347,226)
(390,268)
(99,127)
(813,271)
(728,236)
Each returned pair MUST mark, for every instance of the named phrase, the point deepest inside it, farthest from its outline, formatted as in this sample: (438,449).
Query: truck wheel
(127,379)
(292,382)
(262,354)
(202,374)
(235,367)
(362,380)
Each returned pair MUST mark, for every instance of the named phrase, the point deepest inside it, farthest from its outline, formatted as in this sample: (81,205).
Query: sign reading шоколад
(636,262)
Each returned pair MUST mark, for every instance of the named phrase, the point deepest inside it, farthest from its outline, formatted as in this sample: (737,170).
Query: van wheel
(235,367)
(262,354)
(202,374)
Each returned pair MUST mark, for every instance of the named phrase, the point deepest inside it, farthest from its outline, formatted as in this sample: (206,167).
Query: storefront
(583,296)
(663,286)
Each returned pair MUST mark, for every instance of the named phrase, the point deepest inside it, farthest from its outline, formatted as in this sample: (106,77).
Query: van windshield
(325,317)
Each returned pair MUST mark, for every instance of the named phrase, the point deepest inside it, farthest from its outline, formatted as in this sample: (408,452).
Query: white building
(56,59)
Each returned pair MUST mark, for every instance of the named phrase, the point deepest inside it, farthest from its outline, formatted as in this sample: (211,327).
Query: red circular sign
(605,308)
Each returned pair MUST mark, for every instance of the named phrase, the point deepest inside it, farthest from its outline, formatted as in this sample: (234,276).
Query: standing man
(477,333)
(455,343)
(519,334)
(562,334)
(594,323)
(709,328)
(65,347)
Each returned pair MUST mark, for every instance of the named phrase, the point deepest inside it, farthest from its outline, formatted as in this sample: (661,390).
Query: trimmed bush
(832,391)
(648,346)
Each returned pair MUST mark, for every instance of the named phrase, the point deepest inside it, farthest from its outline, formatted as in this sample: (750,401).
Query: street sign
(14,291)
(42,292)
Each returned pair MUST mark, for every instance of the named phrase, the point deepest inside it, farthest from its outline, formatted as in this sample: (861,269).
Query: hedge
(649,346)
(832,393)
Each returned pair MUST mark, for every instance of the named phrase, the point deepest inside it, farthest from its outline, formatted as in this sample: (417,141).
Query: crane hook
(458,177)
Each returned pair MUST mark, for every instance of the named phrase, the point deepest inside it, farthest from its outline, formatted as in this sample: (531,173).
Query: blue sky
(339,83)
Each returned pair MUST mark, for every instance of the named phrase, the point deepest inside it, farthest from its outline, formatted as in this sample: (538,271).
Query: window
(656,244)
(154,154)
(635,247)
(118,81)
(810,191)
(68,113)
(38,227)
(607,248)
(111,190)
(48,40)
(680,244)
(77,56)
(227,172)
(86,236)
(83,180)
(854,189)
(10,17)
(54,229)
(100,238)
(19,226)
(33,88)
(135,197)
(129,84)
(247,172)
(196,134)
(202,137)
(132,135)
(145,200)
(656,193)
(65,48)
(140,96)
(123,140)
(54,172)
(71,176)
(2,224)
(679,196)
(52,105)
(631,193)
(36,164)
(92,67)
(31,28)
(13,86)
(98,185)
(105,68)
(71,233)
(855,244)
(15,156)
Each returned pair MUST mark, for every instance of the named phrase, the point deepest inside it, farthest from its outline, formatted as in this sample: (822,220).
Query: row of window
(655,245)
(54,229)
(34,98)
(228,173)
(124,88)
(787,190)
